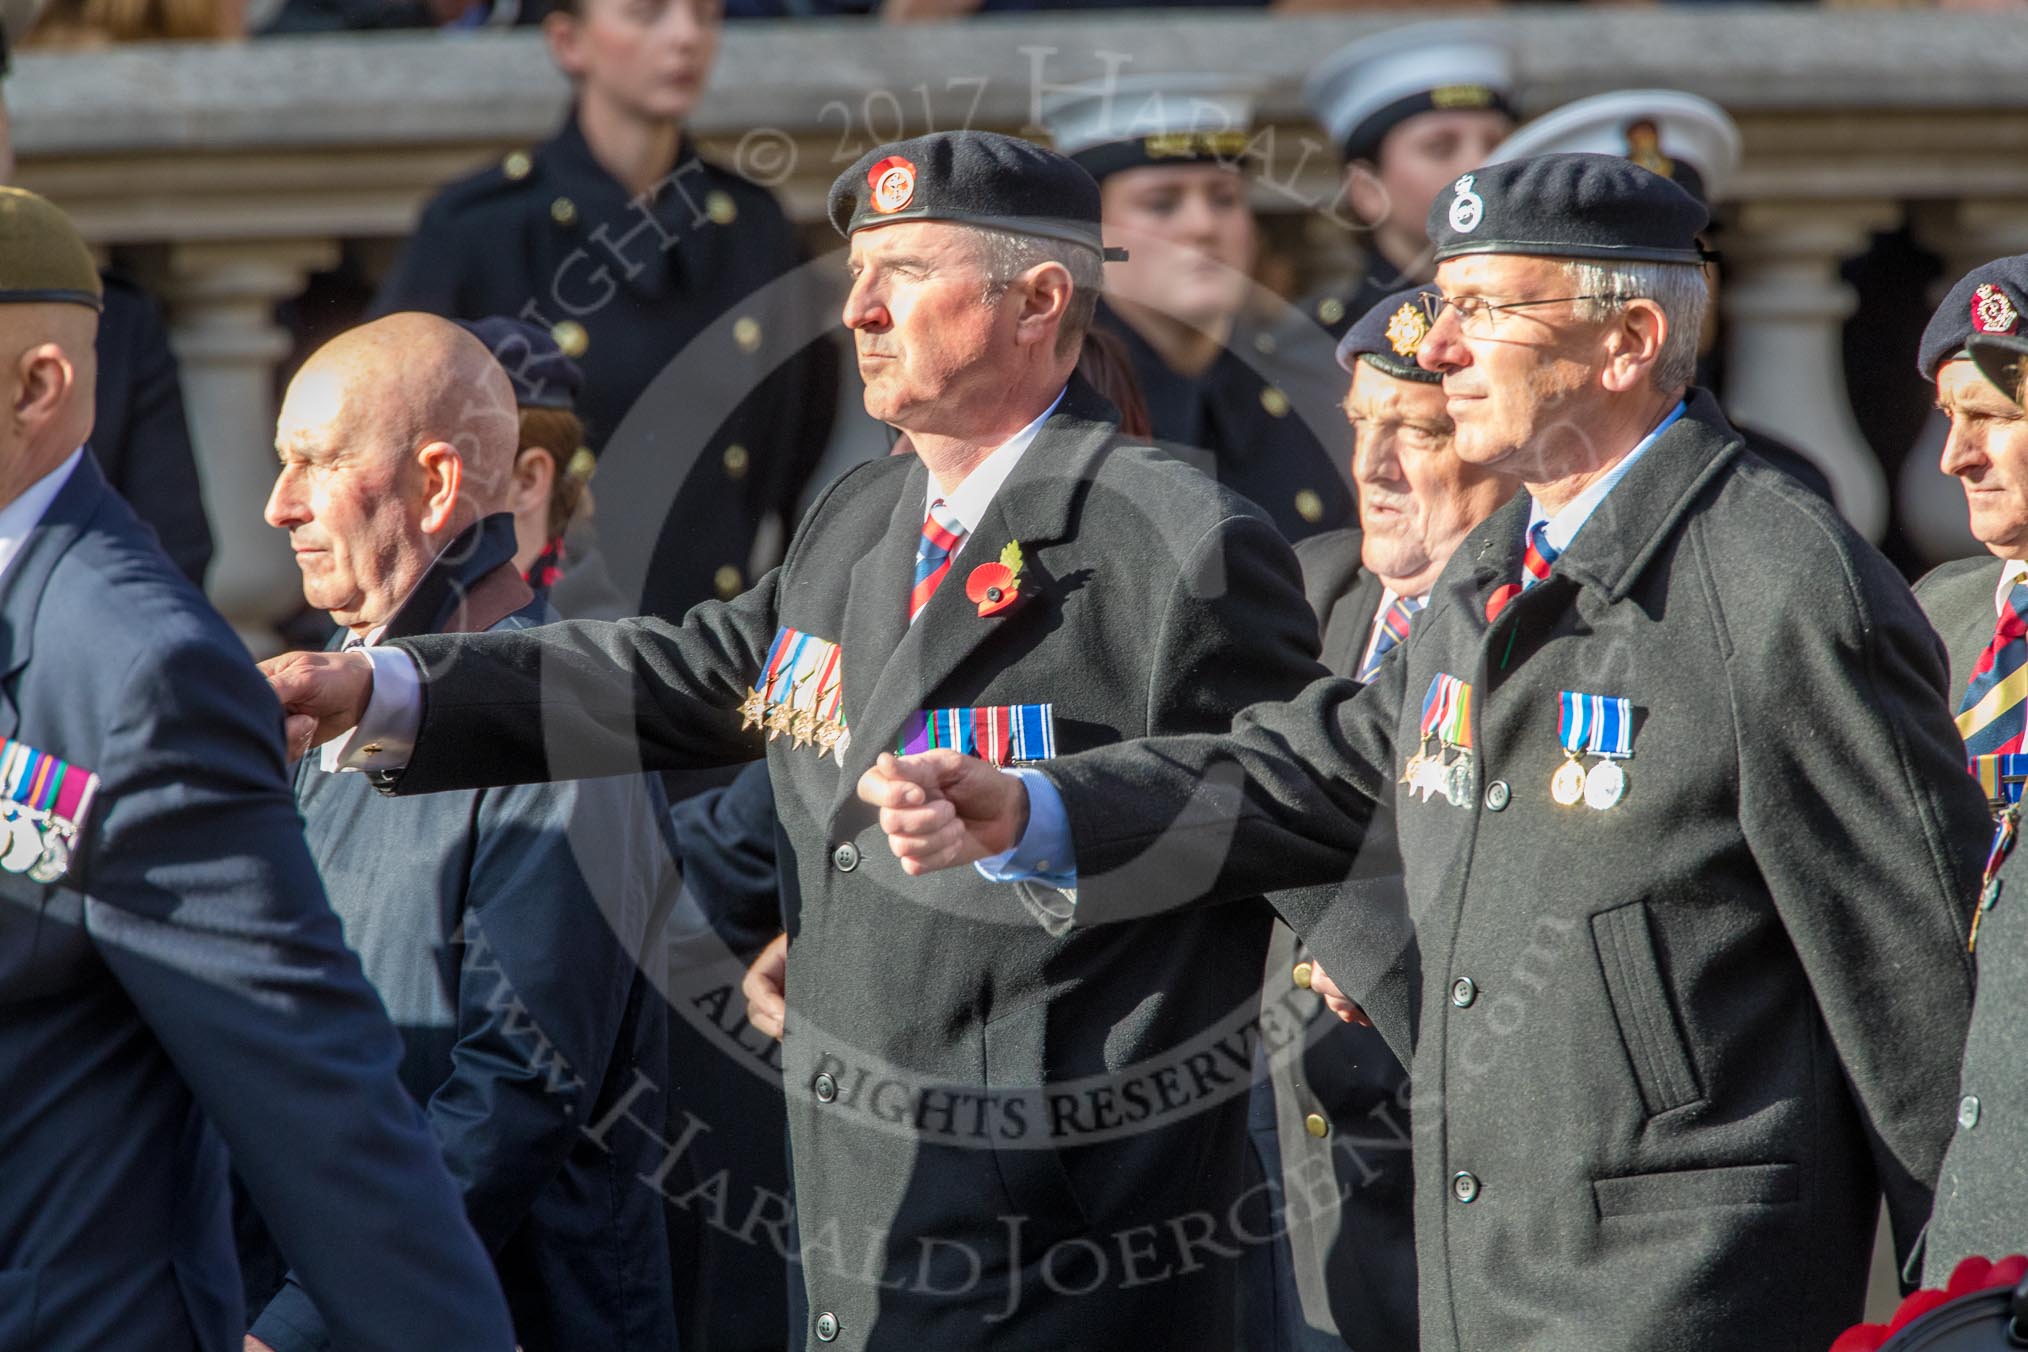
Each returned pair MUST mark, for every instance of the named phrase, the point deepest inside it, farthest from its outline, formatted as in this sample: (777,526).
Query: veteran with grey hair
(1004,1135)
(1687,838)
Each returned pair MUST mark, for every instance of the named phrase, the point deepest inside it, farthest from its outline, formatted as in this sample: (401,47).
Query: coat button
(1463,991)
(1464,1186)
(1498,795)
(1331,310)
(1310,506)
(563,211)
(721,208)
(825,1087)
(1275,402)
(518,165)
(735,461)
(1316,1125)
(1968,1111)
(1301,975)
(746,333)
(846,857)
(728,582)
(827,1327)
(571,338)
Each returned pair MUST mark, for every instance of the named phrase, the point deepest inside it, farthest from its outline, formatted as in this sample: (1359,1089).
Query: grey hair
(1007,254)
(1677,288)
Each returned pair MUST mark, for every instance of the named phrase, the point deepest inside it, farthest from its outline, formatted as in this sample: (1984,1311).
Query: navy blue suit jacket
(185,989)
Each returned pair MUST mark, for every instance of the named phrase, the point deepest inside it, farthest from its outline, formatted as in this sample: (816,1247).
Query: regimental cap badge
(893,183)
(1993,311)
(1644,147)
(1406,330)
(1467,208)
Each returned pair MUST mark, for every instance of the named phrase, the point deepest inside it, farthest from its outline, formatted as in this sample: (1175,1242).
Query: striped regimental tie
(1535,563)
(942,533)
(1992,716)
(1393,633)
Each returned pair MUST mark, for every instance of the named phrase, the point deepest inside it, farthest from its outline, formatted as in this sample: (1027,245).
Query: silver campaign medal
(24,843)
(55,860)
(1604,785)
(1458,781)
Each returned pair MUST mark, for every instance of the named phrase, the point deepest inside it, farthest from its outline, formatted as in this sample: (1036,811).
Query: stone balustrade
(228,174)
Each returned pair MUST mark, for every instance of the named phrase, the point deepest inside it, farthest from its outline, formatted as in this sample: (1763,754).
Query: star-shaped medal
(751,710)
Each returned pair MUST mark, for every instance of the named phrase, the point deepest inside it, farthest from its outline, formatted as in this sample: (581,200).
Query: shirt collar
(969,501)
(1563,526)
(2014,571)
(22,515)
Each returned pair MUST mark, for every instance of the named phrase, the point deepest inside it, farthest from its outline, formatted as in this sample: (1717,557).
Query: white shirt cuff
(385,737)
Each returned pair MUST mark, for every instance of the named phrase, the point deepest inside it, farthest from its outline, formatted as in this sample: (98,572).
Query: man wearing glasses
(1686,836)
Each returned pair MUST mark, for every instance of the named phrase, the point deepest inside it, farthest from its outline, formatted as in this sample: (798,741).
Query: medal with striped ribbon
(45,803)
(1446,720)
(799,693)
(1000,734)
(1599,725)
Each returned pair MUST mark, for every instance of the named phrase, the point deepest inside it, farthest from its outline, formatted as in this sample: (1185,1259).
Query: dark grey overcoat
(1002,1136)
(1670,1052)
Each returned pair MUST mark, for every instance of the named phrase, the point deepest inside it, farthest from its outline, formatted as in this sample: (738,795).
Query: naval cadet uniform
(704,396)
(981,1112)
(173,985)
(1238,420)
(1679,1027)
(1980,607)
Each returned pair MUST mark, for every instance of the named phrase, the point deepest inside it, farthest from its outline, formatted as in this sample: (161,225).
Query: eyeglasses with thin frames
(1479,315)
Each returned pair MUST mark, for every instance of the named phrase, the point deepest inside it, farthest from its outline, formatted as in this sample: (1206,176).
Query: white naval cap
(1364,90)
(1152,119)
(1681,136)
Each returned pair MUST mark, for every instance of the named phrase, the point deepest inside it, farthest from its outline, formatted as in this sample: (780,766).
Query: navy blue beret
(541,375)
(1388,336)
(1600,207)
(971,177)
(1986,300)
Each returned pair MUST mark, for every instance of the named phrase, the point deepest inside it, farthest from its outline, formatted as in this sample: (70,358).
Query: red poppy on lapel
(993,586)
(1497,602)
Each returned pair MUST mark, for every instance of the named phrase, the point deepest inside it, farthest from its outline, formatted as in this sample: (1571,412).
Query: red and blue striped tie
(1992,716)
(1535,563)
(942,533)
(1393,633)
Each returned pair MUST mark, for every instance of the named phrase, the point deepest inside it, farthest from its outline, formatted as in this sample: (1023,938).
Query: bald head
(50,365)
(394,437)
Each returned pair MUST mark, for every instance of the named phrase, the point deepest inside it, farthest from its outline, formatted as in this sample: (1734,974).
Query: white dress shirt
(23,514)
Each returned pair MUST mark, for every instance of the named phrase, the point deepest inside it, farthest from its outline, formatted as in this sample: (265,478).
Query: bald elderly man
(172,983)
(500,926)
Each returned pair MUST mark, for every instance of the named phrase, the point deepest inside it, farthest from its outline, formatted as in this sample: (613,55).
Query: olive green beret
(42,256)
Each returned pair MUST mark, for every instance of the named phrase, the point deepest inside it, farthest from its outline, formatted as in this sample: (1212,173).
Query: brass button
(563,211)
(735,461)
(728,582)
(1331,311)
(1264,343)
(746,332)
(1316,1125)
(1301,976)
(1275,402)
(571,338)
(1309,506)
(518,165)
(720,207)
(583,464)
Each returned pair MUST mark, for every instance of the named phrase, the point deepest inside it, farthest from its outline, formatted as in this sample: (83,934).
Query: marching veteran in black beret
(642,257)
(1168,154)
(173,984)
(1684,830)
(1003,1134)
(1972,351)
(1336,1108)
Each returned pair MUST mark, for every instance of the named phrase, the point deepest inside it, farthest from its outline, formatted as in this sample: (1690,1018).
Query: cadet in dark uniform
(1685,836)
(1691,141)
(140,436)
(173,985)
(1336,1112)
(508,931)
(972,1102)
(1980,607)
(631,250)
(1166,154)
(1409,110)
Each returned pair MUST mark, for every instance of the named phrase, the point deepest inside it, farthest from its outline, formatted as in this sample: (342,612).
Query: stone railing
(228,174)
